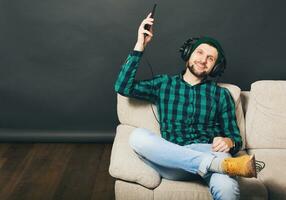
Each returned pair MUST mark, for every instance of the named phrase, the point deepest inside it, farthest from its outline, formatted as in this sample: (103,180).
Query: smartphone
(148,26)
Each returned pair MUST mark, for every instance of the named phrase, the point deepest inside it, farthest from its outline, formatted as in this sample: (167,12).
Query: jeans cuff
(205,165)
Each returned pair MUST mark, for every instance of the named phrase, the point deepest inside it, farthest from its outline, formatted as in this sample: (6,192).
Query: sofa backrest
(138,113)
(266,115)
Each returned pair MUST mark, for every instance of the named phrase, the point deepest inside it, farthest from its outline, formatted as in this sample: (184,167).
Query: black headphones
(186,51)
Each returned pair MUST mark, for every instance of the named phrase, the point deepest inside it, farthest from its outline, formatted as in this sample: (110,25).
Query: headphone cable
(153,85)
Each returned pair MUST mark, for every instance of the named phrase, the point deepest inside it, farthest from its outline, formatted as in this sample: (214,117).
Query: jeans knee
(138,138)
(225,188)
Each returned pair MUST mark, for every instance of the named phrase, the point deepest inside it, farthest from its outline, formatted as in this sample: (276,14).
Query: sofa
(261,117)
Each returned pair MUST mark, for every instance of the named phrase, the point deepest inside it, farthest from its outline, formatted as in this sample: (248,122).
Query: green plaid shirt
(187,114)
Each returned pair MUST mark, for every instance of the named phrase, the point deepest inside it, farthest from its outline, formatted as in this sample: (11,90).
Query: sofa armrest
(126,165)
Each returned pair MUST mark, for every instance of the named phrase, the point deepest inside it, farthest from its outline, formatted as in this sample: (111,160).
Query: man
(197,119)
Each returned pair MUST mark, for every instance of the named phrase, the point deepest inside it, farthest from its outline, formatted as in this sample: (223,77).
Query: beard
(196,73)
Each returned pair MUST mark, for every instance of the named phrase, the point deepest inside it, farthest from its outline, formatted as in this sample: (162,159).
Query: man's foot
(245,166)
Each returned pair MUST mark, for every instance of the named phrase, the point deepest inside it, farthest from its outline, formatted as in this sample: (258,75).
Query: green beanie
(212,42)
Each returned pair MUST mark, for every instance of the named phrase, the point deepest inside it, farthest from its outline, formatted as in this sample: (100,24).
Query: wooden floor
(55,171)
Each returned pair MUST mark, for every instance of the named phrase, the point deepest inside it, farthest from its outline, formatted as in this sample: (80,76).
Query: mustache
(203,65)
(188,64)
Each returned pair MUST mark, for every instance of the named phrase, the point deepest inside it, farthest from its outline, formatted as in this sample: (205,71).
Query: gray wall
(59,58)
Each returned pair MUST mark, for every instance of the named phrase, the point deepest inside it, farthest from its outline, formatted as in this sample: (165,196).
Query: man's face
(202,60)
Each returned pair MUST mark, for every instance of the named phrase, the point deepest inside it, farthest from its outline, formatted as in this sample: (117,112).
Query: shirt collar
(205,80)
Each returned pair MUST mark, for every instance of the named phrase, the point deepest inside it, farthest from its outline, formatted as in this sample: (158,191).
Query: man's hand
(143,40)
(222,144)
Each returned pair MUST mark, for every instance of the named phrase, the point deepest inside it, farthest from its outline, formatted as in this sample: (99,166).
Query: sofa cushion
(251,189)
(274,173)
(179,190)
(138,113)
(266,114)
(198,189)
(132,191)
(126,165)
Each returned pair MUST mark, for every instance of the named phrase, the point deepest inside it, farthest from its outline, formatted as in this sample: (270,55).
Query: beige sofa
(261,116)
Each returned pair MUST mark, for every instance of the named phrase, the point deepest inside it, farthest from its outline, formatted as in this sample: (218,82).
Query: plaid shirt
(187,114)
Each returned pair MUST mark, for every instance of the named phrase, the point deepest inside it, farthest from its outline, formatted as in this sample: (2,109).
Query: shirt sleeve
(126,84)
(228,121)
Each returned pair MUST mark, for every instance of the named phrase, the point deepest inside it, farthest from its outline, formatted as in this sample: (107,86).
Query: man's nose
(204,59)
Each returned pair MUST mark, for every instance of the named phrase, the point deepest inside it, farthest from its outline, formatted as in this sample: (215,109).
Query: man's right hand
(143,40)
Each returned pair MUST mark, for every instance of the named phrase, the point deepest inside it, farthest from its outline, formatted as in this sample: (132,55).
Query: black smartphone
(148,26)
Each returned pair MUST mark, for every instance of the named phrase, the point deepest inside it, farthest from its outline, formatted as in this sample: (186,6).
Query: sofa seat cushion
(198,189)
(179,190)
(126,165)
(251,189)
(274,174)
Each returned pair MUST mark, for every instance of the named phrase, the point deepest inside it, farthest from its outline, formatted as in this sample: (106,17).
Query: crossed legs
(177,162)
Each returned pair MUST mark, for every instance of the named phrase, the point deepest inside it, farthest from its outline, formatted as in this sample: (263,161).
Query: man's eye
(199,52)
(211,59)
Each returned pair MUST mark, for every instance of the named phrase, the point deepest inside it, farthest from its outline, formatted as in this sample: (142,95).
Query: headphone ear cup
(187,51)
(214,71)
(218,69)
(186,48)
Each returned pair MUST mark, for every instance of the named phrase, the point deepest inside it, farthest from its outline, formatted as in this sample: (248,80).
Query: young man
(197,119)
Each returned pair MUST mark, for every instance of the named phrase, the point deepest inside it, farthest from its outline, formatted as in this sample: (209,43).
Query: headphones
(187,49)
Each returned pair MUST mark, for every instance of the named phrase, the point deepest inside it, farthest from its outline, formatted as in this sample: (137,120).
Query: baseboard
(11,135)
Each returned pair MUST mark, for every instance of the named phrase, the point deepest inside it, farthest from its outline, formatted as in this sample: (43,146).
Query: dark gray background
(59,59)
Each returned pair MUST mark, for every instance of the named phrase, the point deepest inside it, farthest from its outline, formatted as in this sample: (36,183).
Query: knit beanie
(211,41)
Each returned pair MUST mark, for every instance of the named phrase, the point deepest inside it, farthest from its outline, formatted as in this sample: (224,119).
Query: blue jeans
(177,162)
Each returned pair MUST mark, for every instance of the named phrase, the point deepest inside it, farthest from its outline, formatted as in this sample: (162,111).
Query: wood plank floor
(43,171)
